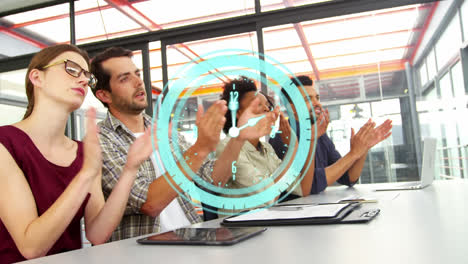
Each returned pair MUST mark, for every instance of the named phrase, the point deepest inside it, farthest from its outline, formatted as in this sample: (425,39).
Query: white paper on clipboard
(291,212)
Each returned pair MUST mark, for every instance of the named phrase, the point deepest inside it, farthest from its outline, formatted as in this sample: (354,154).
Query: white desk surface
(420,226)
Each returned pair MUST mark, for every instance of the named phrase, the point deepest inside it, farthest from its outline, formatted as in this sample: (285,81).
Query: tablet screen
(203,236)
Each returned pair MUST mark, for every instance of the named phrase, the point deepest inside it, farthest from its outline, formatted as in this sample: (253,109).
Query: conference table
(417,226)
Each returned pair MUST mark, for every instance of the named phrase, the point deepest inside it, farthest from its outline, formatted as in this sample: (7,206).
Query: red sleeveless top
(47,182)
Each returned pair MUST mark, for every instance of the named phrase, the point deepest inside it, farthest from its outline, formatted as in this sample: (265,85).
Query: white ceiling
(9,5)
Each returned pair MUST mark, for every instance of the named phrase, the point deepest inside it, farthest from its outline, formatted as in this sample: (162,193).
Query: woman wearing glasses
(49,181)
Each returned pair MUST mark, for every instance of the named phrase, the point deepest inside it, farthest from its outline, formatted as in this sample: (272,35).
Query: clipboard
(349,213)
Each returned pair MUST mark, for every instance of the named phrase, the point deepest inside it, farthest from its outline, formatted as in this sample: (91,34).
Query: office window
(428,102)
(451,148)
(385,84)
(30,31)
(387,161)
(442,119)
(449,43)
(156,67)
(431,94)
(36,25)
(268,5)
(97,20)
(171,14)
(289,51)
(461,101)
(429,121)
(92,101)
(389,109)
(464,16)
(156,74)
(355,59)
(12,84)
(352,56)
(423,74)
(457,80)
(180,54)
(13,100)
(446,87)
(10,114)
(448,125)
(431,65)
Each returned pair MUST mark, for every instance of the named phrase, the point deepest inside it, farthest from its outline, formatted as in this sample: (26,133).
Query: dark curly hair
(242,85)
(302,79)
(297,80)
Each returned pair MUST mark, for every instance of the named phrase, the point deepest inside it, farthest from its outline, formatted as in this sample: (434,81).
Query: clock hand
(274,130)
(252,122)
(233,106)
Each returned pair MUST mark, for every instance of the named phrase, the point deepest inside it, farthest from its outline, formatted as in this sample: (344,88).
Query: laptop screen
(429,154)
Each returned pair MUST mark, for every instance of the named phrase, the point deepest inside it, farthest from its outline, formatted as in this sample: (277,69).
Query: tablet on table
(203,236)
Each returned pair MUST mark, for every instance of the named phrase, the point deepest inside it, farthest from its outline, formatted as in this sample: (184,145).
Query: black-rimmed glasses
(75,70)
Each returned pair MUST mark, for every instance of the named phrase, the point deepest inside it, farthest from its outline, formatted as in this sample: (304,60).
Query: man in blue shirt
(330,166)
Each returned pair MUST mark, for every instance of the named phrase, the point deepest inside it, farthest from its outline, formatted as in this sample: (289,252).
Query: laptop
(427,174)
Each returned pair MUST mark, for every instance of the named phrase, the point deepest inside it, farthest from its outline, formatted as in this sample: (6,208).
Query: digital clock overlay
(232,63)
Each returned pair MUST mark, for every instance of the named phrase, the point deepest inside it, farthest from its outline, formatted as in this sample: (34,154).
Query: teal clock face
(232,63)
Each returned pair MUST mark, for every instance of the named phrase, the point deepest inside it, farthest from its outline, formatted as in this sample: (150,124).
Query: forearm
(336,170)
(222,170)
(101,227)
(42,233)
(355,171)
(306,183)
(161,192)
(306,174)
(294,152)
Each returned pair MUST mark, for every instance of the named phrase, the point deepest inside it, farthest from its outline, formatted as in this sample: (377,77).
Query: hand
(361,142)
(210,125)
(322,123)
(368,136)
(381,133)
(92,156)
(142,148)
(262,127)
(285,129)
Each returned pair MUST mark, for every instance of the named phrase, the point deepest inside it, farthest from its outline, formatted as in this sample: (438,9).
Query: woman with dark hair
(49,181)
(257,160)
